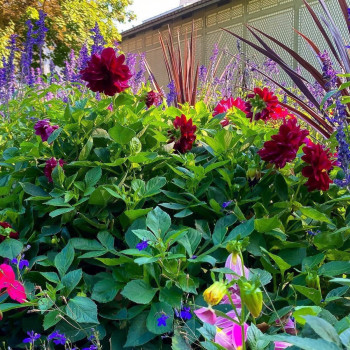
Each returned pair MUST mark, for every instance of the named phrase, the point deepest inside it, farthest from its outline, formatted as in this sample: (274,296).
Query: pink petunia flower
(234,263)
(14,288)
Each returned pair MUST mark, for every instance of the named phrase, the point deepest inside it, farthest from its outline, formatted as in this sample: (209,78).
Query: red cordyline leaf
(182,69)
(316,119)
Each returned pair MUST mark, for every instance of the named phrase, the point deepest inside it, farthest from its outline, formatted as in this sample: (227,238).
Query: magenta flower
(231,338)
(206,314)
(281,345)
(224,323)
(234,263)
(44,129)
(50,165)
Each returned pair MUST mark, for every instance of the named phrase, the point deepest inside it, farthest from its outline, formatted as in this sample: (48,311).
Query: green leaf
(138,333)
(267,224)
(82,310)
(51,276)
(254,337)
(172,296)
(186,283)
(281,187)
(282,265)
(242,230)
(179,341)
(105,290)
(301,311)
(334,268)
(313,294)
(71,280)
(61,211)
(304,343)
(121,134)
(33,190)
(10,248)
(93,176)
(153,186)
(106,239)
(64,259)
(157,310)
(158,221)
(139,292)
(221,226)
(315,214)
(145,235)
(85,152)
(312,261)
(51,318)
(324,329)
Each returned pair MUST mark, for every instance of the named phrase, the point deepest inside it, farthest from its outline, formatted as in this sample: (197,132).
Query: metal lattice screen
(275,17)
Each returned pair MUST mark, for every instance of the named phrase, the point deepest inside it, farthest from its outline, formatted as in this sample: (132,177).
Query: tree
(69,21)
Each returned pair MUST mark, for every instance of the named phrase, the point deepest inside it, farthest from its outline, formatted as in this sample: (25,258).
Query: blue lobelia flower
(161,321)
(57,338)
(142,245)
(32,337)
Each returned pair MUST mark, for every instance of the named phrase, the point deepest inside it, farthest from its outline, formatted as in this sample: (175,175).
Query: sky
(145,9)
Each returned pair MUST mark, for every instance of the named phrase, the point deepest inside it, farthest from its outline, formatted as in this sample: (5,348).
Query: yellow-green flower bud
(252,297)
(312,280)
(214,294)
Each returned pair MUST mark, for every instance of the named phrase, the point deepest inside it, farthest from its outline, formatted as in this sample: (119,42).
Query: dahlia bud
(312,280)
(214,294)
(252,297)
(234,247)
(253,173)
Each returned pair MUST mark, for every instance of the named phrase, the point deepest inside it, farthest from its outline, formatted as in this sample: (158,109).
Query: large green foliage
(121,184)
(69,22)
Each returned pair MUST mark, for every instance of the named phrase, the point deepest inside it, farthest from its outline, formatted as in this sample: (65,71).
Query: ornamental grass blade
(309,67)
(296,78)
(344,8)
(323,32)
(316,122)
(180,65)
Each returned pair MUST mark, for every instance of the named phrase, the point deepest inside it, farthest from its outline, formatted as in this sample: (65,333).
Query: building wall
(275,17)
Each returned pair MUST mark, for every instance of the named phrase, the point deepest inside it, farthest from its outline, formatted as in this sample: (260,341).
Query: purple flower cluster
(40,32)
(313,233)
(340,120)
(270,67)
(98,39)
(32,337)
(142,245)
(57,338)
(171,96)
(161,321)
(329,74)
(139,78)
(83,58)
(27,54)
(22,263)
(202,74)
(184,313)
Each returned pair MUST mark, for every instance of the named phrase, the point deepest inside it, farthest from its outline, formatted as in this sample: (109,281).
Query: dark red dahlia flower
(50,165)
(225,105)
(44,129)
(153,98)
(284,146)
(185,137)
(261,104)
(107,73)
(321,163)
(13,233)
